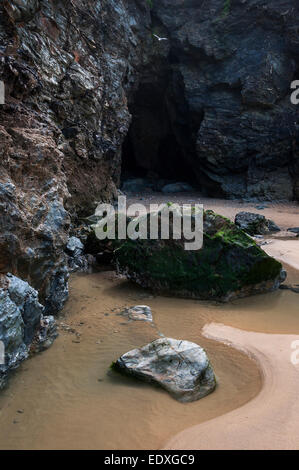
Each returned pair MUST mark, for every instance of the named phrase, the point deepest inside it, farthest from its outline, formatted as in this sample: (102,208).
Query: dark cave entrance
(160,142)
(166,161)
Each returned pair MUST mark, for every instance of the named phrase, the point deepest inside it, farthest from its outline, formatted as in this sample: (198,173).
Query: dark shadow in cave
(160,142)
(166,163)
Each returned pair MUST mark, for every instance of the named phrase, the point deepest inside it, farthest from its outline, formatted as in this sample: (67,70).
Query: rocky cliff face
(68,67)
(219,108)
(211,101)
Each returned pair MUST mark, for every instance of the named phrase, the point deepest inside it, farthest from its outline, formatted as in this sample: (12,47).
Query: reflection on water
(67,397)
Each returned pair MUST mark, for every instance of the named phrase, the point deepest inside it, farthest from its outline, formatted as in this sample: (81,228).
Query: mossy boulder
(230,264)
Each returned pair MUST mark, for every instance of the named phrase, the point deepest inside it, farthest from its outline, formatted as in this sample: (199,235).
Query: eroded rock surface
(22,323)
(180,367)
(215,104)
(67,68)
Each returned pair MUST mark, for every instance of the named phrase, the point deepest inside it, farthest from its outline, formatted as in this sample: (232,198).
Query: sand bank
(270,420)
(286,251)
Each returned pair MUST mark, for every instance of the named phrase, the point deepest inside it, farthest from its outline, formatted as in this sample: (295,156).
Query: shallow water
(67,397)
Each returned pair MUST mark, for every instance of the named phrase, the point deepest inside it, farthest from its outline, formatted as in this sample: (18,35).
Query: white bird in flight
(160,39)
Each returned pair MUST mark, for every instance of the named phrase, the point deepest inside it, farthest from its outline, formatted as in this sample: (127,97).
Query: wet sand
(269,421)
(286,251)
(285,215)
(67,398)
(70,399)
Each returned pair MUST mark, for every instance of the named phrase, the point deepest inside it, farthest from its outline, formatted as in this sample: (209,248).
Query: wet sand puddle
(66,397)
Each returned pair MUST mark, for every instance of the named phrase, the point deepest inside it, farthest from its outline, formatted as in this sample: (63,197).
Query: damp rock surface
(68,69)
(255,224)
(229,265)
(180,367)
(22,323)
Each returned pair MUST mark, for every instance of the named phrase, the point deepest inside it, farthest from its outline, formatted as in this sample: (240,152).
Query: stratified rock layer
(215,103)
(67,68)
(180,367)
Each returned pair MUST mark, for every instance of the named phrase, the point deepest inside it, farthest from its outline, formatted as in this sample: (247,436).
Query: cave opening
(166,162)
(159,144)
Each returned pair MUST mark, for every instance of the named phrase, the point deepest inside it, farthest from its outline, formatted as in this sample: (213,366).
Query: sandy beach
(269,421)
(255,402)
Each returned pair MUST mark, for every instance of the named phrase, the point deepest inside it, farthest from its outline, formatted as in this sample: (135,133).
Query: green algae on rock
(229,265)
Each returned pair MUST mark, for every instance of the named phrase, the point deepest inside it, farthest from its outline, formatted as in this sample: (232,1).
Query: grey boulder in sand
(180,367)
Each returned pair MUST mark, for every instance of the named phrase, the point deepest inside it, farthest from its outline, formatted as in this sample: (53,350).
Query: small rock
(74,246)
(255,224)
(283,275)
(294,289)
(139,312)
(180,367)
(294,230)
(272,227)
(47,333)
